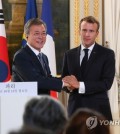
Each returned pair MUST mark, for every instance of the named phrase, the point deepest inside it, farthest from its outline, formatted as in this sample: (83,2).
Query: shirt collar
(90,48)
(33,49)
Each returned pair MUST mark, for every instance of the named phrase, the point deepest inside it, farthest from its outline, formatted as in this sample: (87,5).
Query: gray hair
(47,113)
(31,22)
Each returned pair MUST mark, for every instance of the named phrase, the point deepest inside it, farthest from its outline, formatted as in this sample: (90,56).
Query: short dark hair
(90,19)
(31,130)
(78,123)
(45,112)
(31,22)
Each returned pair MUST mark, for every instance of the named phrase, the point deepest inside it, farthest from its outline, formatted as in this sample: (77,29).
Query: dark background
(60,11)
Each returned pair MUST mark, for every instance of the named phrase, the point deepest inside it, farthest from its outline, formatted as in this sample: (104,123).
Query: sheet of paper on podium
(18,88)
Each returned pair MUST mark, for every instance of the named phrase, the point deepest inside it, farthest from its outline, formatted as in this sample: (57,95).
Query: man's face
(88,33)
(37,36)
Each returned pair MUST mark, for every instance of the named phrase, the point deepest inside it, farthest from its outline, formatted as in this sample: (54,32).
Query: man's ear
(25,36)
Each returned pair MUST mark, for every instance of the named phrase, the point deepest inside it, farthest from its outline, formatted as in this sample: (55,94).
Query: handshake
(70,82)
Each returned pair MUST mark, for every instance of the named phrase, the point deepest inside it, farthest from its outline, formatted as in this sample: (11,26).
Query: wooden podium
(13,97)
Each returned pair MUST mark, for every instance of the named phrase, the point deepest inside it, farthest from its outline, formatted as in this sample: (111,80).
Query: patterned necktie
(42,62)
(84,62)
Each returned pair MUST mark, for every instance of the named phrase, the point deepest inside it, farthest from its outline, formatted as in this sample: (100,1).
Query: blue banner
(47,16)
(31,12)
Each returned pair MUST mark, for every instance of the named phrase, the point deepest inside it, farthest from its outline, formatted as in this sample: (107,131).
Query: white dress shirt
(33,49)
(82,54)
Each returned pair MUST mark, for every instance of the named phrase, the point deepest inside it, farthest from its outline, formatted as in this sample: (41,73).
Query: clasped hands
(71,82)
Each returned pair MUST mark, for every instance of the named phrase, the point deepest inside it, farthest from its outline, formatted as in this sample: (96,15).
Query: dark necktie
(42,62)
(84,62)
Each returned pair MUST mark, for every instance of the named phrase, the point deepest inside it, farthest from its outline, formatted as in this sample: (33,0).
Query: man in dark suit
(89,82)
(30,64)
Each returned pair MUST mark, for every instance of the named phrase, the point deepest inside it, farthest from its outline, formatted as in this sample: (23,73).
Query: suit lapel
(34,59)
(77,62)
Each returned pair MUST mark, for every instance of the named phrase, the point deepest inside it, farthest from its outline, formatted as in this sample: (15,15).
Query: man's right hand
(71,82)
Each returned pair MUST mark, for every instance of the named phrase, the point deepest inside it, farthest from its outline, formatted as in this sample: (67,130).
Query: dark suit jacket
(98,79)
(26,67)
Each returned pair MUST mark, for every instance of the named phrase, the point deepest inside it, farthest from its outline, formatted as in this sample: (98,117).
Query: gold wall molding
(96,8)
(86,7)
(76,20)
(96,14)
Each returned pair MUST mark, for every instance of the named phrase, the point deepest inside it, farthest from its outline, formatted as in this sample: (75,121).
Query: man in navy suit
(27,63)
(89,84)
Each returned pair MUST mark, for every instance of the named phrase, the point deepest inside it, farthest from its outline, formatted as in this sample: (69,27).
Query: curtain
(112,40)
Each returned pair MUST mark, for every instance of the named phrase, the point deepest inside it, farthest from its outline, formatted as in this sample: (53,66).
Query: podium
(13,97)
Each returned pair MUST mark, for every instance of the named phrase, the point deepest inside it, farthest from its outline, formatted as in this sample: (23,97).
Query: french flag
(49,47)
(4,61)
